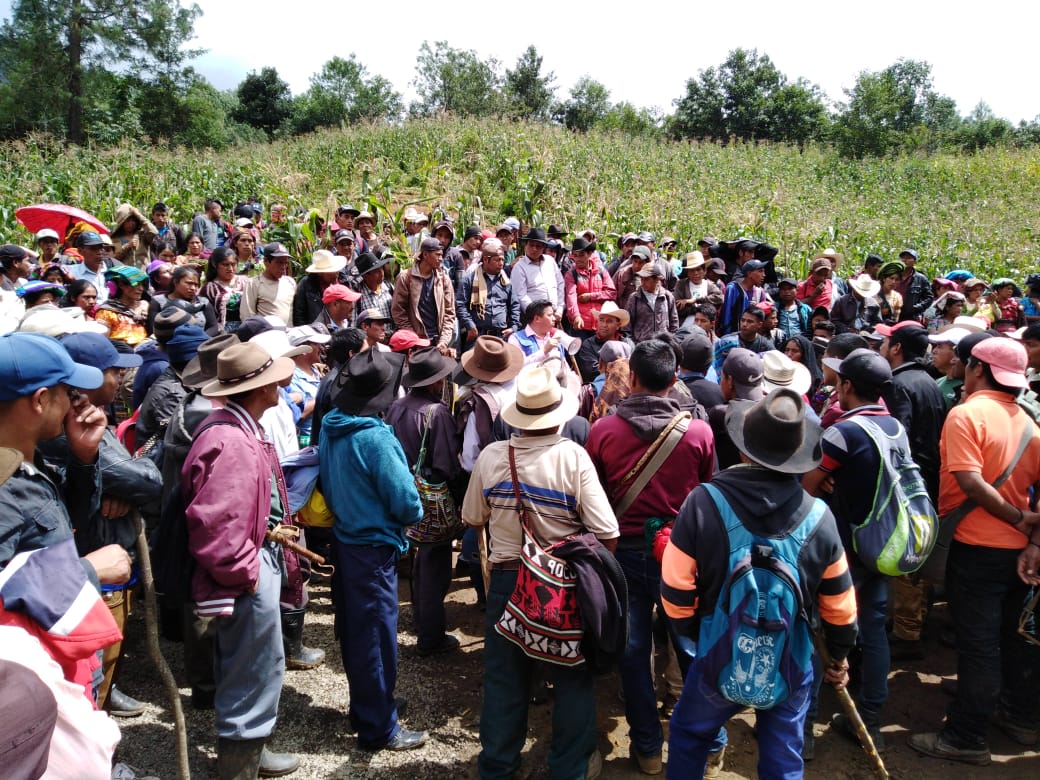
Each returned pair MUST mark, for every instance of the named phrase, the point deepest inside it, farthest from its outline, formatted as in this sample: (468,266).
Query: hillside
(976,210)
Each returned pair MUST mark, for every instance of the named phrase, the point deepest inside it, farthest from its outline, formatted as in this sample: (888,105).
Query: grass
(976,211)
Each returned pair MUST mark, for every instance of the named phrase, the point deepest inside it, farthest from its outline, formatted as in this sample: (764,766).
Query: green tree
(50,46)
(895,108)
(626,118)
(529,94)
(264,101)
(455,81)
(748,98)
(588,104)
(343,93)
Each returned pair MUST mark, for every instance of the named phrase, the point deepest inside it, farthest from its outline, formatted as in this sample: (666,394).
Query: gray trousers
(249,662)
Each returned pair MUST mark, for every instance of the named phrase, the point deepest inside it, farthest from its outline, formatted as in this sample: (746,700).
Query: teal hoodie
(366,481)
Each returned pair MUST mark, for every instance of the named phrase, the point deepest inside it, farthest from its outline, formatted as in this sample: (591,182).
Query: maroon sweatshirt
(617,442)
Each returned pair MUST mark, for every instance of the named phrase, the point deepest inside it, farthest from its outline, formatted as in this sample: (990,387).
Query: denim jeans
(871,612)
(503,718)
(875,661)
(994,664)
(701,712)
(643,574)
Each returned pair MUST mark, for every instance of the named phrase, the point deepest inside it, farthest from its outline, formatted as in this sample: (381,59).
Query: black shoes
(119,705)
(406,740)
(446,645)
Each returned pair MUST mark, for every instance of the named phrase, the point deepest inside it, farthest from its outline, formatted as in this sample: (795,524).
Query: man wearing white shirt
(536,276)
(93,266)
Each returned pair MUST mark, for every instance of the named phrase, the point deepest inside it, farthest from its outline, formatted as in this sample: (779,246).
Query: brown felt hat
(493,360)
(245,367)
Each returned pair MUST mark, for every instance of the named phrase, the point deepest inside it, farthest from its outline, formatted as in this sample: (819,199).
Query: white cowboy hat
(324,262)
(540,401)
(865,285)
(780,371)
(611,309)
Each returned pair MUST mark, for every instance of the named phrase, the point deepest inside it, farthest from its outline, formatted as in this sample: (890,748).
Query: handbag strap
(524,520)
(652,459)
(952,518)
(417,468)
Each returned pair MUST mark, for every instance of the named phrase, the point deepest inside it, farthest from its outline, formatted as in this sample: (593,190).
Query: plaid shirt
(380,300)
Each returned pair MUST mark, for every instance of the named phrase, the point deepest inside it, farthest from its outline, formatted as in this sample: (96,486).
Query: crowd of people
(635,422)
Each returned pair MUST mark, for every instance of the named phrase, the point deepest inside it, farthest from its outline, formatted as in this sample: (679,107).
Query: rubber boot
(239,759)
(277,764)
(296,655)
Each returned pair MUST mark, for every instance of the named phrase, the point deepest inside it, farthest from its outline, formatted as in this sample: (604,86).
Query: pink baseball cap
(888,330)
(1006,358)
(406,339)
(339,292)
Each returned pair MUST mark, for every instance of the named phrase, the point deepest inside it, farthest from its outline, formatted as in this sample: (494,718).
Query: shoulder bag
(542,616)
(440,521)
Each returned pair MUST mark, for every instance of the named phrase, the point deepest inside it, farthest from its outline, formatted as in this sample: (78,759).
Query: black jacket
(916,401)
(602,599)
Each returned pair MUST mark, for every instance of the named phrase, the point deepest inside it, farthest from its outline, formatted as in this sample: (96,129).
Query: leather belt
(513,565)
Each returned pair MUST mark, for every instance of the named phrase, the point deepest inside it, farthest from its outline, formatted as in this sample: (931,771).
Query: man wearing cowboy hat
(536,276)
(610,320)
(415,230)
(586,285)
(238,572)
(369,485)
(272,292)
(858,309)
(421,411)
(323,271)
(777,445)
(376,291)
(546,464)
(485,300)
(851,462)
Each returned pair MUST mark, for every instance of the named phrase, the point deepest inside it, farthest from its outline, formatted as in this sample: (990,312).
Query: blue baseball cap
(185,343)
(93,349)
(29,361)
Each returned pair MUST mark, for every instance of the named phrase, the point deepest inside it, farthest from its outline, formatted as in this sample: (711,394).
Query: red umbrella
(56,216)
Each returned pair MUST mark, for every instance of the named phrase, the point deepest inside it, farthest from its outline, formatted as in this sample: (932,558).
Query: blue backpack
(755,647)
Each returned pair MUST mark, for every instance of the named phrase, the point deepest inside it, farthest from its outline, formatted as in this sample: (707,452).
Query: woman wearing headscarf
(801,350)
(125,312)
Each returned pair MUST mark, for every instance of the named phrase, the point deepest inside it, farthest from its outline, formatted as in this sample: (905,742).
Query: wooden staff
(485,566)
(279,535)
(151,626)
(847,704)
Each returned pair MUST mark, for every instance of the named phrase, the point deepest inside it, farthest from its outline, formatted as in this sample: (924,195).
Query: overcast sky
(645,51)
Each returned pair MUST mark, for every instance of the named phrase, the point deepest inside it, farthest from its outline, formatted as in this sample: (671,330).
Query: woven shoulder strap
(655,455)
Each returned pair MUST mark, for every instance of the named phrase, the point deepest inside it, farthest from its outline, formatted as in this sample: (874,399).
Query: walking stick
(485,567)
(151,627)
(849,706)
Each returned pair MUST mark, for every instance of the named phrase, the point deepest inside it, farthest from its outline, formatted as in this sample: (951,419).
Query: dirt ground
(444,695)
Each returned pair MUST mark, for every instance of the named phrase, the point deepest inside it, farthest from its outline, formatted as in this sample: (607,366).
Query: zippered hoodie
(770,504)
(366,481)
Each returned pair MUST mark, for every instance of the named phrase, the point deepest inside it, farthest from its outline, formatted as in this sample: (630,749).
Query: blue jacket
(366,481)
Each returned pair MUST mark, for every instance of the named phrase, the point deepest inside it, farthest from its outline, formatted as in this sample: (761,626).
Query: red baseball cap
(339,292)
(405,339)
